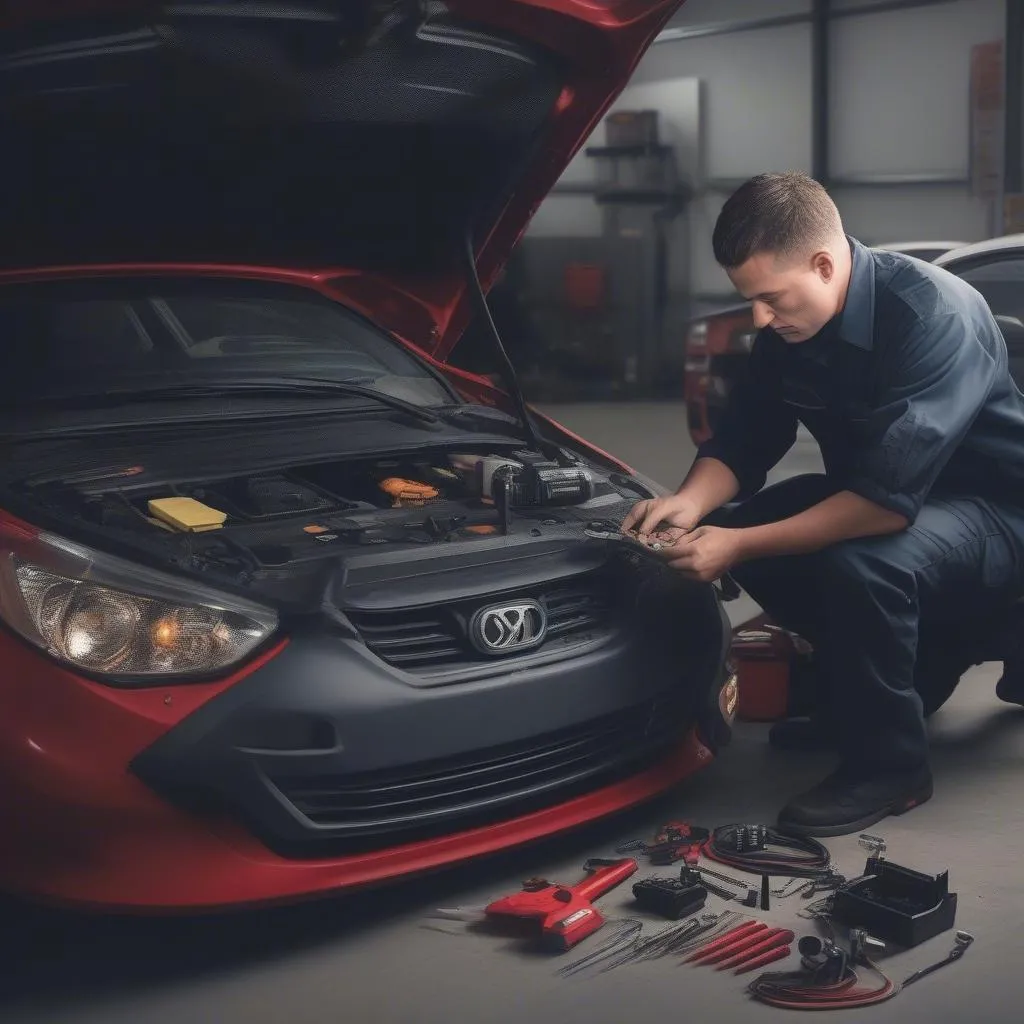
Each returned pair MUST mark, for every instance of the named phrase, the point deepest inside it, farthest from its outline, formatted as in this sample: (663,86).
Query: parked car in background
(996,269)
(718,344)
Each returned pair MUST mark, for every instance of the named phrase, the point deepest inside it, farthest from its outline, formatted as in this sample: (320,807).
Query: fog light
(728,697)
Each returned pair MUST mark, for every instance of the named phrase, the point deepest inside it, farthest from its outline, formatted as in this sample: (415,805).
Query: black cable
(763,850)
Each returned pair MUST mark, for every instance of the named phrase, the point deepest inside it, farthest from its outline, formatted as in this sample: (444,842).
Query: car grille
(434,637)
(475,789)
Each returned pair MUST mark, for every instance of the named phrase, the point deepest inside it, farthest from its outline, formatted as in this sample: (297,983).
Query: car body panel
(989,246)
(596,46)
(159,797)
(996,268)
(92,834)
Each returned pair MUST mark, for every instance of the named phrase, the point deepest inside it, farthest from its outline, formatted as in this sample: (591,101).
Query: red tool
(779,953)
(729,939)
(776,937)
(744,942)
(565,913)
(676,840)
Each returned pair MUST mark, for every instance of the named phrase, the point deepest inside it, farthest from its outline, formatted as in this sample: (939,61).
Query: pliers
(602,529)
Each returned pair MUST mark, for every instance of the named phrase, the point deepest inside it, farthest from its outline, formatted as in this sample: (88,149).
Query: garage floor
(373,958)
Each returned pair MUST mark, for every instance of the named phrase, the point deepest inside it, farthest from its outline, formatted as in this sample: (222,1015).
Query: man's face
(795,297)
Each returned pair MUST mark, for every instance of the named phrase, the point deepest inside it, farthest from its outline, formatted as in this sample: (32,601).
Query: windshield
(86,337)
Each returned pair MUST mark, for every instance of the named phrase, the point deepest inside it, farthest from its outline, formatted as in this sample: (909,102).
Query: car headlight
(122,622)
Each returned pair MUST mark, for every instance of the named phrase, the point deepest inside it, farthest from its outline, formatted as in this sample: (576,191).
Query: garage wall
(898,106)
(713,12)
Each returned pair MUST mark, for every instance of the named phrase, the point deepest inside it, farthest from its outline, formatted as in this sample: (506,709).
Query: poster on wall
(987,102)
(1013,214)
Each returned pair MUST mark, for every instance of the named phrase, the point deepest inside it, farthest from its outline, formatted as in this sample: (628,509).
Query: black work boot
(805,735)
(849,801)
(1010,687)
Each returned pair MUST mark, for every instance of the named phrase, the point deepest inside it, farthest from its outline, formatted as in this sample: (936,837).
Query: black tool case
(897,904)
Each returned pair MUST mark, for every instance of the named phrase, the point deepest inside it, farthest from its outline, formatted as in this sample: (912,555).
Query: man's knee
(866,563)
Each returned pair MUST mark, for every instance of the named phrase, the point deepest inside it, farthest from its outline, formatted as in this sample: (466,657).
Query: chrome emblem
(504,629)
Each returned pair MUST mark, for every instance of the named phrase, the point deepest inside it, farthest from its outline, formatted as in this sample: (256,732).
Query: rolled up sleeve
(756,428)
(935,384)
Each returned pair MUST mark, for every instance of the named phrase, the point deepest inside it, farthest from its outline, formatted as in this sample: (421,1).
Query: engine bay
(277,532)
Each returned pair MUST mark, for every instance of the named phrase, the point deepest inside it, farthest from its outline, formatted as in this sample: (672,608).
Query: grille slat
(417,657)
(433,638)
(383,803)
(349,800)
(400,642)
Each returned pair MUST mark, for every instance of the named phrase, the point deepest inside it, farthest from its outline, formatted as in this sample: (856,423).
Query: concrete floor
(374,958)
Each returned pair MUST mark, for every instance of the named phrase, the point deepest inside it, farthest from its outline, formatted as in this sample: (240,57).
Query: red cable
(774,990)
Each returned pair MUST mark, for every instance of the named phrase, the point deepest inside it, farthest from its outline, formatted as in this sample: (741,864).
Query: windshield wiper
(324,386)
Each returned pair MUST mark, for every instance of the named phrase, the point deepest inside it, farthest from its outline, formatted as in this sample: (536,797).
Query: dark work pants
(887,616)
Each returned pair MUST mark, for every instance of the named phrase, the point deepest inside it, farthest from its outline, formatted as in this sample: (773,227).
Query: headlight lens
(122,621)
(110,631)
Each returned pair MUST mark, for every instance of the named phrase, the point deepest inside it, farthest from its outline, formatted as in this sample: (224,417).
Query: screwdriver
(736,935)
(741,945)
(776,937)
(779,953)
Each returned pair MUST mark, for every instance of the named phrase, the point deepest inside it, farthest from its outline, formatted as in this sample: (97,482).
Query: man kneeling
(899,371)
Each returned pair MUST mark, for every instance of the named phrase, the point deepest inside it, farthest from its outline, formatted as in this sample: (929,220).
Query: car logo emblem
(508,628)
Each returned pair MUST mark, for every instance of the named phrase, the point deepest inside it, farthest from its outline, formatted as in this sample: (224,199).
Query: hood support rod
(508,370)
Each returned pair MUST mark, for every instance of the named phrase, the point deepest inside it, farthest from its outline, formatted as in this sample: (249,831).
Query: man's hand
(676,510)
(705,554)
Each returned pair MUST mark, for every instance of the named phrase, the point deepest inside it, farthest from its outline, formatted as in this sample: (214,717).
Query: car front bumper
(181,799)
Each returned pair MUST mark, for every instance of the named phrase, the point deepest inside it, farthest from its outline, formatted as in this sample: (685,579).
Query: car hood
(360,139)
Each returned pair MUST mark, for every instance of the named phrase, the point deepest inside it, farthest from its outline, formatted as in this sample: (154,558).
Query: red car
(718,344)
(290,605)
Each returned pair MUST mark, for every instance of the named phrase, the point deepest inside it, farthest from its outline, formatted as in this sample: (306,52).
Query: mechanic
(899,371)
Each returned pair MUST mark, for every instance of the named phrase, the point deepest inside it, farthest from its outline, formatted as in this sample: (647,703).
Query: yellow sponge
(187,514)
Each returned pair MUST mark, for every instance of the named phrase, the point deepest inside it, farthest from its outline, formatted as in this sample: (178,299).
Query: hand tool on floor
(566,913)
(677,939)
(963,940)
(723,924)
(649,947)
(625,935)
(771,940)
(673,898)
(779,953)
(730,938)
(739,945)
(677,840)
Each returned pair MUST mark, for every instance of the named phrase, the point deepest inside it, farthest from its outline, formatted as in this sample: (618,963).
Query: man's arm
(757,428)
(709,485)
(755,431)
(844,516)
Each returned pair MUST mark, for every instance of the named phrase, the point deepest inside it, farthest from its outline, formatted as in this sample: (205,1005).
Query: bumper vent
(434,638)
(379,808)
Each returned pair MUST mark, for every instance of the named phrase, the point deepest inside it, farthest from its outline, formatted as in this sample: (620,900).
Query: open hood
(360,138)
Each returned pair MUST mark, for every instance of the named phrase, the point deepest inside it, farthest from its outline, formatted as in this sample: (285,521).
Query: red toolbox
(764,655)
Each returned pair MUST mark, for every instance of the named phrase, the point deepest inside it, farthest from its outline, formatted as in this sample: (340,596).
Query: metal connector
(874,844)
(864,946)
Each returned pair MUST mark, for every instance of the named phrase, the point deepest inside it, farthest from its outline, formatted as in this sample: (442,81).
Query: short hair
(786,214)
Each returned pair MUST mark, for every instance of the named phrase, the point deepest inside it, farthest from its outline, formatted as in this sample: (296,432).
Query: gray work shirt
(907,392)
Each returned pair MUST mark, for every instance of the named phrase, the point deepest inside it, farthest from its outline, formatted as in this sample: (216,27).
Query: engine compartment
(278,533)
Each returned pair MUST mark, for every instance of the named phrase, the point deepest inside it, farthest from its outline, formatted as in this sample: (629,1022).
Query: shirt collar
(857,320)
